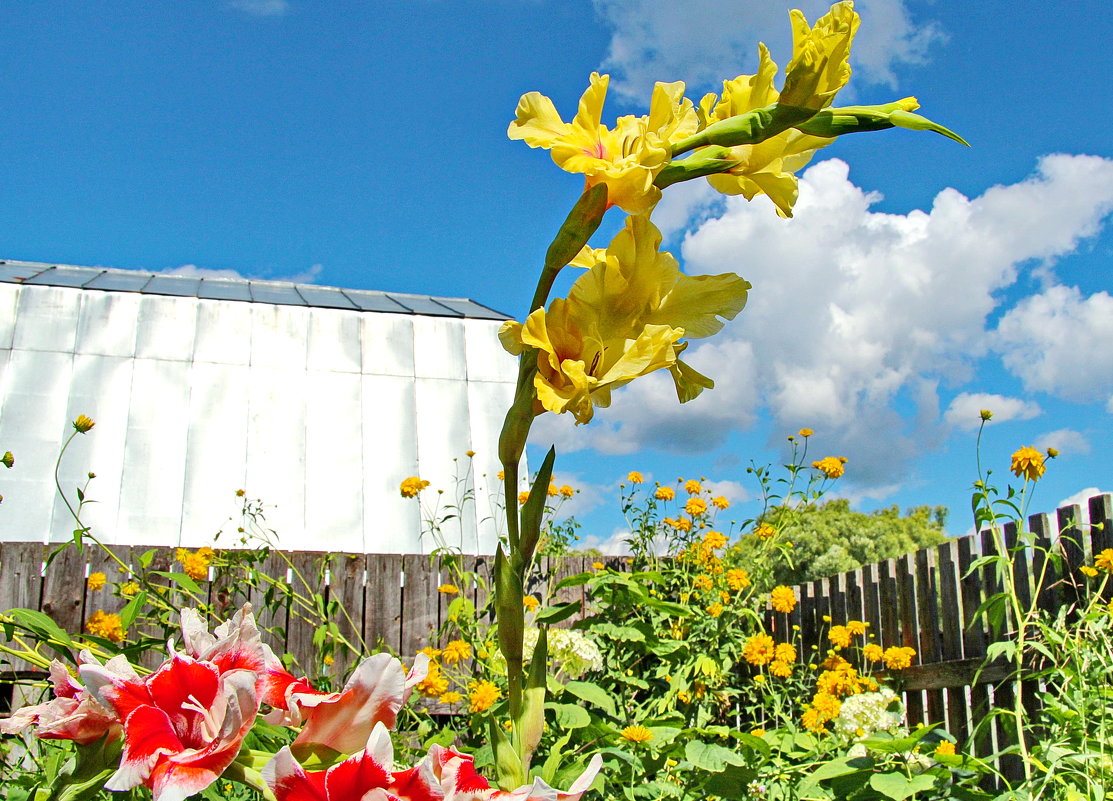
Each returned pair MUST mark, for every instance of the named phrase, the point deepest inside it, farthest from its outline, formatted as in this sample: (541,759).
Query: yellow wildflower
(696,507)
(765,532)
(448,589)
(693,487)
(329,660)
(715,540)
(873,652)
(804,432)
(7,459)
(664,493)
(715,609)
(106,625)
(682,524)
(452,697)
(759,650)
(501,475)
(757,733)
(785,652)
(566,491)
(856,627)
(129,589)
(634,477)
(95,581)
(821,710)
(898,658)
(783,599)
(523,496)
(411,486)
(623,318)
(530,603)
(780,669)
(430,651)
(1086,570)
(720,502)
(945,748)
(1104,560)
(435,683)
(196,564)
(597,565)
(456,651)
(636,734)
(840,636)
(738,579)
(482,696)
(702,582)
(553,490)
(831,466)
(83,424)
(1028,462)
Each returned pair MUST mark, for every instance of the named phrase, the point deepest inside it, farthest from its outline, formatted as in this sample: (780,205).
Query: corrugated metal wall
(319,412)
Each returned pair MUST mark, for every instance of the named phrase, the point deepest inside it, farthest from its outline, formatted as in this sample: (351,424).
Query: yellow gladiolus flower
(626,158)
(816,72)
(624,318)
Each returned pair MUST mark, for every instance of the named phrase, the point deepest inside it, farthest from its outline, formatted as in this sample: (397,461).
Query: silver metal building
(316,400)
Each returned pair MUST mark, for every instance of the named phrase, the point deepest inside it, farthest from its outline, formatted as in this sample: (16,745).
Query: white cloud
(261,8)
(614,545)
(1059,342)
(704,42)
(1081,498)
(1065,440)
(856,317)
(965,410)
(307,276)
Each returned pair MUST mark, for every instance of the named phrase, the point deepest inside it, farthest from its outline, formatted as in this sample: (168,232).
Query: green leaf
(622,633)
(182,580)
(84,777)
(534,509)
(146,557)
(555,614)
(131,611)
(570,716)
(577,580)
(709,756)
(669,608)
(41,624)
(899,787)
(593,694)
(731,783)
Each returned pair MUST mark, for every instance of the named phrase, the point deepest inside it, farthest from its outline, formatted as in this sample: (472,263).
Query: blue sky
(362,144)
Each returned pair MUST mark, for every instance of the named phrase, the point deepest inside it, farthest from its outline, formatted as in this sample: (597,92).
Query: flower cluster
(862,715)
(410,487)
(195,564)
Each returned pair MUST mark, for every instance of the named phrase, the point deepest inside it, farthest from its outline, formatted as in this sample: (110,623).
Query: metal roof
(238,289)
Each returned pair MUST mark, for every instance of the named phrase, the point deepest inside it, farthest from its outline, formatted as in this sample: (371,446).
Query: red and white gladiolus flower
(369,775)
(73,713)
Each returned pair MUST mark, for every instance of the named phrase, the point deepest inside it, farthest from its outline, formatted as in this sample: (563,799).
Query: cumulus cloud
(261,8)
(1080,498)
(1065,440)
(965,410)
(704,42)
(1058,342)
(856,318)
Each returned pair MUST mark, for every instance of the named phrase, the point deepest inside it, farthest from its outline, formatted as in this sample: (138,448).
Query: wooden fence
(928,601)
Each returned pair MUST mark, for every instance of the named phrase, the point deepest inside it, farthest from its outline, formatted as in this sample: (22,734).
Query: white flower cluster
(862,715)
(576,653)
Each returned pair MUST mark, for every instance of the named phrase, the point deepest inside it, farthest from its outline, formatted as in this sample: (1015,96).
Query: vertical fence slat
(927,619)
(888,601)
(20,583)
(270,615)
(907,596)
(870,604)
(382,602)
(1072,547)
(419,620)
(950,640)
(63,596)
(301,622)
(346,572)
(1101,531)
(1045,571)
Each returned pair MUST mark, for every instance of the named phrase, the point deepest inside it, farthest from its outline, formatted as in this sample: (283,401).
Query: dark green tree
(832,538)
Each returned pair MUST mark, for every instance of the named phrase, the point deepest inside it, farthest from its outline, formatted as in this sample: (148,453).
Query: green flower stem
(512,569)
